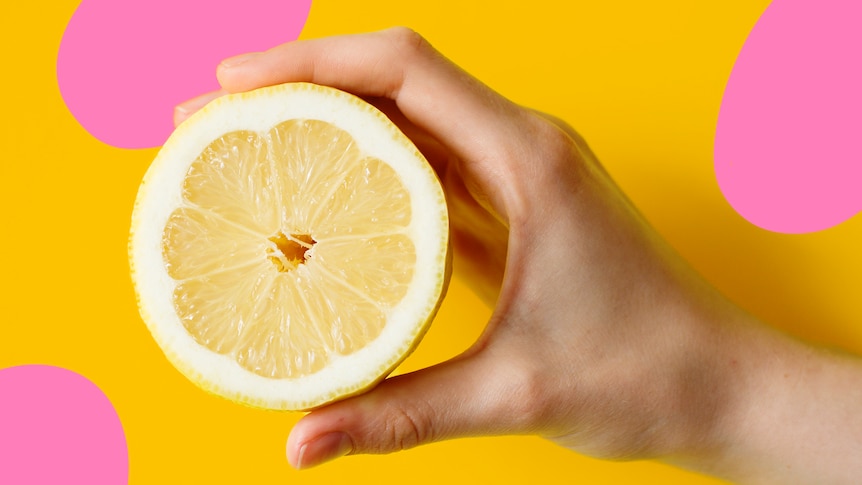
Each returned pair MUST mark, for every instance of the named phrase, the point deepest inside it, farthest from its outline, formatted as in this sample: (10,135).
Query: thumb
(463,397)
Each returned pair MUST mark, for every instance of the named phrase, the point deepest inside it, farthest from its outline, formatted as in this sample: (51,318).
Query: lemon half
(289,246)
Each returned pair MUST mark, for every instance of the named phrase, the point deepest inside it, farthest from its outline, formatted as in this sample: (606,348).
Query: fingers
(473,122)
(397,64)
(489,134)
(464,397)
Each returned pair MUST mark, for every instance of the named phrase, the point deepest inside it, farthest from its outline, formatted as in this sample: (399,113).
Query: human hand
(602,339)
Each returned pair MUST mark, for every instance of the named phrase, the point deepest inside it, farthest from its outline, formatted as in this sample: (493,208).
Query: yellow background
(641,80)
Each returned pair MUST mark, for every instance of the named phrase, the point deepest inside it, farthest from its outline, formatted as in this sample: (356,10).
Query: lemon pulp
(288,248)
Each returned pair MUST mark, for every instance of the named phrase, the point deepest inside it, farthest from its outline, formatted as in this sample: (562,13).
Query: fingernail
(180,114)
(186,108)
(237,60)
(323,448)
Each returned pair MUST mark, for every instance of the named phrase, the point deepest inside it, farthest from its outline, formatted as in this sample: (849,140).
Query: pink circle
(58,427)
(787,151)
(124,65)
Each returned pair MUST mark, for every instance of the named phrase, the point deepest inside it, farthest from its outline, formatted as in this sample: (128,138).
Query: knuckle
(407,428)
(529,403)
(558,139)
(407,39)
(404,48)
(524,396)
(561,158)
(563,127)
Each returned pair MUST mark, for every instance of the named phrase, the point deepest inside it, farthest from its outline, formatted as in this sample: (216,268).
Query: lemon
(289,246)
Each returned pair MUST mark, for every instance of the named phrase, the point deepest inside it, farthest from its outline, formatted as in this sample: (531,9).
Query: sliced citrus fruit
(289,246)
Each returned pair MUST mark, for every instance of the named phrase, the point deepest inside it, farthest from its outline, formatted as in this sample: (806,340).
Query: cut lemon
(289,246)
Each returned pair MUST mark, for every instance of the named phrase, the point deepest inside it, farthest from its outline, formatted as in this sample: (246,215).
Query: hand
(602,339)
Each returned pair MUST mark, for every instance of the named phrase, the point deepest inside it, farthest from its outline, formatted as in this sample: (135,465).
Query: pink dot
(58,427)
(787,151)
(124,65)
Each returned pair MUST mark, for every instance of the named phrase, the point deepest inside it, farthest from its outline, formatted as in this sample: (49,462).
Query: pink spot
(124,65)
(58,427)
(788,155)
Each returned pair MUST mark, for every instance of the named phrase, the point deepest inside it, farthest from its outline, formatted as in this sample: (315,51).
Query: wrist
(795,417)
(782,411)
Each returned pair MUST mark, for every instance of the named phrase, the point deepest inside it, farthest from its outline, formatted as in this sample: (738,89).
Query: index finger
(466,116)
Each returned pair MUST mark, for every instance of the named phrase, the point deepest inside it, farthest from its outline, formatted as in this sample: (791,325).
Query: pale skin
(602,338)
